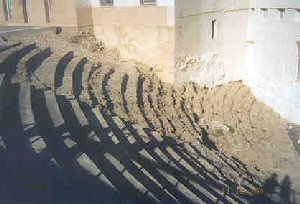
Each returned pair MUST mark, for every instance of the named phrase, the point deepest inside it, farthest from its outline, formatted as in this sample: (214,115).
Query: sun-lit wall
(273,58)
(2,14)
(144,33)
(210,41)
(36,12)
(256,41)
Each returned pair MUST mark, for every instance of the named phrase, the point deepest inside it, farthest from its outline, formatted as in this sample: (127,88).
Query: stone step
(80,129)
(66,87)
(116,163)
(45,74)
(21,73)
(194,169)
(6,46)
(4,55)
(146,154)
(77,77)
(130,138)
(61,68)
(9,64)
(87,73)
(77,156)
(117,141)
(131,178)
(27,119)
(171,155)
(216,168)
(2,94)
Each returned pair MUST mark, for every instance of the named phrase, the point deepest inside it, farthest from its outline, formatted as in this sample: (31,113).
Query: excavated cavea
(97,129)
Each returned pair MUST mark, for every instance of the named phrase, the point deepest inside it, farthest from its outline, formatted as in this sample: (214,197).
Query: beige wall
(63,14)
(2,15)
(148,15)
(36,12)
(17,12)
(139,33)
(84,16)
(201,58)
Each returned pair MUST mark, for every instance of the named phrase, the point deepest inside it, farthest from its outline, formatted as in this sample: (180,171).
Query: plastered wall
(2,15)
(84,17)
(69,13)
(255,41)
(143,33)
(65,14)
(273,59)
(210,46)
(135,3)
(17,12)
(36,12)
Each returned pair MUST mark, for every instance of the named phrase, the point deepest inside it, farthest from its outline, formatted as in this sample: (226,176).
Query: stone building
(256,41)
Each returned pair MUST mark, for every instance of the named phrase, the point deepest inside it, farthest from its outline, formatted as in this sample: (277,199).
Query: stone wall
(17,12)
(2,14)
(210,41)
(272,71)
(65,15)
(36,12)
(255,41)
(144,34)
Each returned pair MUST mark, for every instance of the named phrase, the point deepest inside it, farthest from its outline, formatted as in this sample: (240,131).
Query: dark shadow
(110,105)
(77,77)
(4,48)
(176,173)
(151,102)
(34,62)
(273,192)
(140,101)
(159,102)
(208,142)
(285,190)
(271,184)
(58,30)
(77,186)
(8,66)
(123,91)
(60,68)
(25,177)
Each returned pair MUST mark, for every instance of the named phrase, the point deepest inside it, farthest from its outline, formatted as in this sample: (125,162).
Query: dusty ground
(226,118)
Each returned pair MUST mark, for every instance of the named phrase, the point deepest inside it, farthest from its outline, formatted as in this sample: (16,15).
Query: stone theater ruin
(150,101)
